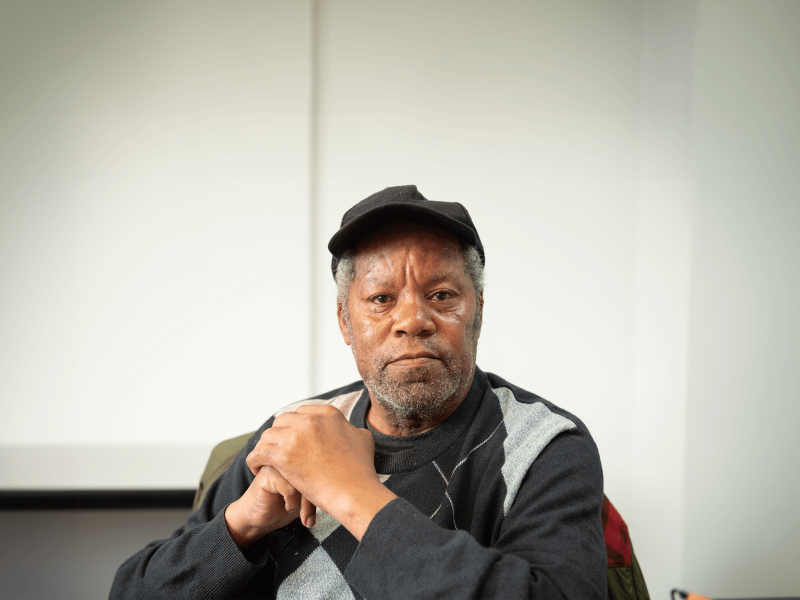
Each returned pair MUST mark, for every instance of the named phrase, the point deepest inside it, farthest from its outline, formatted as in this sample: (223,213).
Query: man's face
(413,320)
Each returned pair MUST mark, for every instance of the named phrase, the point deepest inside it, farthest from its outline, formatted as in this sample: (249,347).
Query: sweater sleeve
(549,545)
(200,559)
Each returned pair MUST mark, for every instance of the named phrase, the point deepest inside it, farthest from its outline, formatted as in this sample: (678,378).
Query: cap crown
(398,204)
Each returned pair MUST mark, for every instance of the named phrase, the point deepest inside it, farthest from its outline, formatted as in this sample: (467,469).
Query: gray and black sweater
(501,501)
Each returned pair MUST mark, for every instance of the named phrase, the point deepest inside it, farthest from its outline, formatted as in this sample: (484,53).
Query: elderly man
(428,479)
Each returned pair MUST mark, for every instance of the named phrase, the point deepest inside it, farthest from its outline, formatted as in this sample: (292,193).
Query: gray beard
(414,400)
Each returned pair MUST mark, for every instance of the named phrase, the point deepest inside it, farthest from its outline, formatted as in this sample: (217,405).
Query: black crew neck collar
(396,443)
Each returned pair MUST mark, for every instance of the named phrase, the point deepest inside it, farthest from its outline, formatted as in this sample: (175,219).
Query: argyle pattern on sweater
(511,440)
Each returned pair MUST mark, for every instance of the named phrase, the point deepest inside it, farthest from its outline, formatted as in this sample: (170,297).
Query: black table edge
(94,499)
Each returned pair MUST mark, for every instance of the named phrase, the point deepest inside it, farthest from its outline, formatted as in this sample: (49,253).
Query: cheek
(455,333)
(459,319)
(367,332)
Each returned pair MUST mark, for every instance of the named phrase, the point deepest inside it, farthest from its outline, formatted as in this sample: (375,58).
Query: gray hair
(346,272)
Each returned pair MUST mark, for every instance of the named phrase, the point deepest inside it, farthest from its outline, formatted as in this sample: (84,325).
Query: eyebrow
(440,277)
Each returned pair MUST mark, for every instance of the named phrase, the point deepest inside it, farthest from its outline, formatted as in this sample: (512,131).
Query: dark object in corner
(625,578)
(95,499)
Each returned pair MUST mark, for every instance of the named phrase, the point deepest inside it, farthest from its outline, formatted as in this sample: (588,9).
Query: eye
(442,296)
(380,298)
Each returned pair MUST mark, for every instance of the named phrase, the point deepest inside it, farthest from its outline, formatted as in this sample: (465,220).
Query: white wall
(652,502)
(153,161)
(743,451)
(631,167)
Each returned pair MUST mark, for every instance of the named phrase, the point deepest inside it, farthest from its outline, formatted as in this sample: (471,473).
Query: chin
(404,412)
(417,400)
(415,378)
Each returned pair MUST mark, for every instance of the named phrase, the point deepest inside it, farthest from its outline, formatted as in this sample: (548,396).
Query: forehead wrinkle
(448,263)
(372,261)
(370,277)
(440,277)
(408,269)
(396,252)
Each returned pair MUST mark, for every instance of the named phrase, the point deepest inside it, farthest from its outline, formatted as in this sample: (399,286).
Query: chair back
(625,578)
(221,458)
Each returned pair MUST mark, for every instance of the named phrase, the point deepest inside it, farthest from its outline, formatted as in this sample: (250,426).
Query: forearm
(357,505)
(196,562)
(404,554)
(199,557)
(549,544)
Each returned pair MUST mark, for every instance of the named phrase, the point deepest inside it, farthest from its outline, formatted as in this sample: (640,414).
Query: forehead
(395,246)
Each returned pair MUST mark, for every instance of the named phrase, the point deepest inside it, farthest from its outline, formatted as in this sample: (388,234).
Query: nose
(413,317)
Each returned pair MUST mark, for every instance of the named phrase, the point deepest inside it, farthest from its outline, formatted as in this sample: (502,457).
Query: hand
(328,460)
(269,503)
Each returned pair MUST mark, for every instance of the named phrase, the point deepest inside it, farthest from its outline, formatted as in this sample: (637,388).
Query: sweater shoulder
(531,424)
(525,397)
(344,398)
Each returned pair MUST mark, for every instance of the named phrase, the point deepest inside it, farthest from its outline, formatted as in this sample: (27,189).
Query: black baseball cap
(401,203)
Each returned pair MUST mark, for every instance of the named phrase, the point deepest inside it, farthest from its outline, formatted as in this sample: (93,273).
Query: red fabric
(618,542)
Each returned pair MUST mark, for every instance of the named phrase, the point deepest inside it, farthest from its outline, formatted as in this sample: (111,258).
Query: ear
(342,323)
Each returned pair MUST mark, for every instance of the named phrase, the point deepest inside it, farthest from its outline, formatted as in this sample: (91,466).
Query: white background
(170,174)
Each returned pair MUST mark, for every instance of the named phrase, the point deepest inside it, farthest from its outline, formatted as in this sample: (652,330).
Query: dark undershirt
(397,443)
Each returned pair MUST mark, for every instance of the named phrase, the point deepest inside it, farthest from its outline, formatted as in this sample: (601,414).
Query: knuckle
(281,454)
(297,435)
(305,427)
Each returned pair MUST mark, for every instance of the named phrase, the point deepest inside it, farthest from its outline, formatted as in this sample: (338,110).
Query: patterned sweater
(501,501)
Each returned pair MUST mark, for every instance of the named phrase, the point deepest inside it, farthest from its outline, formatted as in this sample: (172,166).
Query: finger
(262,454)
(317,409)
(308,512)
(273,482)
(287,419)
(292,499)
(252,463)
(255,460)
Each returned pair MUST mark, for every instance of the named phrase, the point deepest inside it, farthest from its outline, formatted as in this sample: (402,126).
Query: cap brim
(348,236)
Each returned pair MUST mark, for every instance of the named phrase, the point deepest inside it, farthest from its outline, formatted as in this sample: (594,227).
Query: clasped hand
(308,458)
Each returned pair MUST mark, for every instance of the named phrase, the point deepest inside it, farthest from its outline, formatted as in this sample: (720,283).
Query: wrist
(242,530)
(356,507)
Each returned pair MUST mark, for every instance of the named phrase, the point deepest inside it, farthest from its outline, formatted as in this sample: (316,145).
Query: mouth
(414,359)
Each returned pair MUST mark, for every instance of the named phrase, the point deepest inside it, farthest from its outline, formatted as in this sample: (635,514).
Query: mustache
(430,350)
